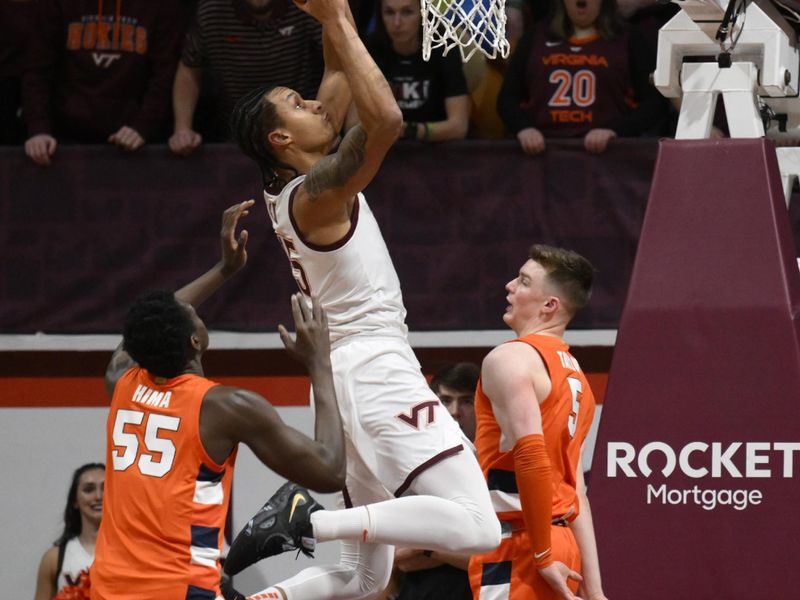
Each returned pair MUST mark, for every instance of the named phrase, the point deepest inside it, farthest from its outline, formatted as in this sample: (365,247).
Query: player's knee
(486,528)
(488,537)
(371,575)
(482,536)
(371,584)
(483,532)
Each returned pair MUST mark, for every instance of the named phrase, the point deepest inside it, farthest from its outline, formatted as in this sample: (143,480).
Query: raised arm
(234,257)
(231,415)
(510,376)
(334,90)
(334,180)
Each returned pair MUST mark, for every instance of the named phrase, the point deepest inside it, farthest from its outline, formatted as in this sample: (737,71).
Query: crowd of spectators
(134,72)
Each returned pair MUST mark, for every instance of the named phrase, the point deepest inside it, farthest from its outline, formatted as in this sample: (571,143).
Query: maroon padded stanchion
(695,481)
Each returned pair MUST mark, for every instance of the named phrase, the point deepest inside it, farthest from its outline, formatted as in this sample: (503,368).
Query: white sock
(414,521)
(347,524)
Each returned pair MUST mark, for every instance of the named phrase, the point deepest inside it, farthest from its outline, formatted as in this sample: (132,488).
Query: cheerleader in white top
(65,566)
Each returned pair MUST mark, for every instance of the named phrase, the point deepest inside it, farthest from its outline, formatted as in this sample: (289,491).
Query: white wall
(40,448)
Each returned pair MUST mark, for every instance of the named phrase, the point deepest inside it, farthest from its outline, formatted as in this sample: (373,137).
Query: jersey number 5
(297,268)
(163,447)
(576,387)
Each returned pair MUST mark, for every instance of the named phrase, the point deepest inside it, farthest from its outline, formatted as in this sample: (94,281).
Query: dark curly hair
(72,516)
(252,120)
(157,333)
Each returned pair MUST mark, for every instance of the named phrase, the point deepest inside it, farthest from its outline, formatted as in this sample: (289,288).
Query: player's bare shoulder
(512,358)
(231,402)
(325,198)
(514,365)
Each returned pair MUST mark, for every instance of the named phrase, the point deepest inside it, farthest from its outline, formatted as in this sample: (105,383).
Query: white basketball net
(471,25)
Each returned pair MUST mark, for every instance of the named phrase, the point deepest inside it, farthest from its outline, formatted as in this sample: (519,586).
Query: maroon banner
(80,239)
(695,469)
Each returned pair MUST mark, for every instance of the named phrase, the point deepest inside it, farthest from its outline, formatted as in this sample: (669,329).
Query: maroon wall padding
(81,238)
(707,352)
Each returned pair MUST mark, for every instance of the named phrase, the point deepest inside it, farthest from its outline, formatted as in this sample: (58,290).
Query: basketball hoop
(471,25)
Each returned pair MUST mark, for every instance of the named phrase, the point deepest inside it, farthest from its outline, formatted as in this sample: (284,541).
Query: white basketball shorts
(394,424)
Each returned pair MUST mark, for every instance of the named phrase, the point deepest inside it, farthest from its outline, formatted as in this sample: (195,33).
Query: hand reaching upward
(234,252)
(312,345)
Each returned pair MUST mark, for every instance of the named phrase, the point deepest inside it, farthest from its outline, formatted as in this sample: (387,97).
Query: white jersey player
(354,277)
(404,427)
(409,480)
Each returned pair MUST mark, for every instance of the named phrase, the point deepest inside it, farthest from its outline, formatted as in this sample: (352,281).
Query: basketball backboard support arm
(758,74)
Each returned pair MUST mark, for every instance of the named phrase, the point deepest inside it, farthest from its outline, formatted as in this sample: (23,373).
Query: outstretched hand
(311,325)
(557,574)
(234,252)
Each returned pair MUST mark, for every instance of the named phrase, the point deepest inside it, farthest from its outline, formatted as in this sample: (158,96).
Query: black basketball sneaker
(281,525)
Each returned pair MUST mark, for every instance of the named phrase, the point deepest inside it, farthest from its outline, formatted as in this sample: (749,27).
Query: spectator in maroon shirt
(99,72)
(580,73)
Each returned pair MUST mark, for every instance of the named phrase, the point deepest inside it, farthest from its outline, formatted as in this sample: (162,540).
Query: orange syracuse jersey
(567,415)
(166,500)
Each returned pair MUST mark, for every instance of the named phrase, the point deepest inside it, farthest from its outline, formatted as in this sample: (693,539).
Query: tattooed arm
(335,170)
(321,214)
(324,201)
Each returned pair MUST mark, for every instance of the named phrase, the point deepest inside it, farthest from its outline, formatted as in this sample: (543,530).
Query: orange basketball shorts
(508,571)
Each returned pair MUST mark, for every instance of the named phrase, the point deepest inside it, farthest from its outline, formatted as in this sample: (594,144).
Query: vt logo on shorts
(429,406)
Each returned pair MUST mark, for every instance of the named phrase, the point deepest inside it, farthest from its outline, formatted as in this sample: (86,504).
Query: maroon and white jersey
(577,85)
(354,278)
